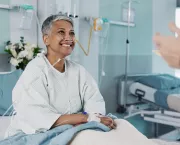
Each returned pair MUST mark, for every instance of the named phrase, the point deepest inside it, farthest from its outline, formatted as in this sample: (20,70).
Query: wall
(4,29)
(140,58)
(89,62)
(5,36)
(45,8)
(10,21)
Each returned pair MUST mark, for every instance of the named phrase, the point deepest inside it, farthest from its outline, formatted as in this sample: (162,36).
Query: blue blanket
(61,135)
(161,96)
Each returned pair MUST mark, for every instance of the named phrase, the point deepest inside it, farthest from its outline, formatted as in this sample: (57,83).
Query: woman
(52,90)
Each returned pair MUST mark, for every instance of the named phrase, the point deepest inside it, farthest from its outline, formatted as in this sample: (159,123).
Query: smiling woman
(53,89)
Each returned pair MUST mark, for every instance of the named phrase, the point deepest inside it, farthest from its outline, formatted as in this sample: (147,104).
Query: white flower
(27,47)
(33,45)
(13,47)
(22,54)
(15,61)
(13,52)
(20,46)
(30,55)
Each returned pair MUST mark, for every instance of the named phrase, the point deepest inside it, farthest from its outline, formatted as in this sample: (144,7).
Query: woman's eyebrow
(64,29)
(61,28)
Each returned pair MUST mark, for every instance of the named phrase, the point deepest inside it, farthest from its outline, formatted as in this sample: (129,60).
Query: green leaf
(8,51)
(8,43)
(21,37)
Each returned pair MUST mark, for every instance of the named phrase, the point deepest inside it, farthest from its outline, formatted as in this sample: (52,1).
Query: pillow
(161,81)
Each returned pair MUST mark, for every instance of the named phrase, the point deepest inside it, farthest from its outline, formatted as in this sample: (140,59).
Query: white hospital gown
(43,94)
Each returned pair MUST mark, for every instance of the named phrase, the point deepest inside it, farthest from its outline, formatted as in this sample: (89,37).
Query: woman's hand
(109,122)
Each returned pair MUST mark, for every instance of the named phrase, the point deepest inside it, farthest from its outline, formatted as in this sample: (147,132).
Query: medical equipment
(104,50)
(89,43)
(98,25)
(27,11)
(95,25)
(127,48)
(27,16)
(159,98)
(69,12)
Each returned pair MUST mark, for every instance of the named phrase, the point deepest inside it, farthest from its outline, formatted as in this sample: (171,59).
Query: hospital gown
(43,94)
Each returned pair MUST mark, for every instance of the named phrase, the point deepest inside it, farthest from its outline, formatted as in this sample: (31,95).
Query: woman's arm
(93,101)
(72,119)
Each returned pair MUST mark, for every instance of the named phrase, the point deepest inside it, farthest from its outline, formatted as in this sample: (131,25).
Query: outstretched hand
(169,46)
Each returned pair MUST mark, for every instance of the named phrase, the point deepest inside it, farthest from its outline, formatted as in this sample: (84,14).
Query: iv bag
(26,19)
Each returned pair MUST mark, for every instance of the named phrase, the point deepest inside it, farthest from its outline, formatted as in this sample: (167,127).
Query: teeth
(66,45)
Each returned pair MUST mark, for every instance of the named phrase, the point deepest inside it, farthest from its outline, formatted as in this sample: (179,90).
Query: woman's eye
(61,32)
(72,33)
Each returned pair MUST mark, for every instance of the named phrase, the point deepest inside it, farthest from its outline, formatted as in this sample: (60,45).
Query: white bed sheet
(4,123)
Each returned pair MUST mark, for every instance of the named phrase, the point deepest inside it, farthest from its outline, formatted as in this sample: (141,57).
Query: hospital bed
(117,136)
(163,91)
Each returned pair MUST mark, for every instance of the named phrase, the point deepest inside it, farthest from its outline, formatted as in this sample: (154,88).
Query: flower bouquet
(21,53)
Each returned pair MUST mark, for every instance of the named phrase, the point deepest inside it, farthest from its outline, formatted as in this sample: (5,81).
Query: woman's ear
(46,40)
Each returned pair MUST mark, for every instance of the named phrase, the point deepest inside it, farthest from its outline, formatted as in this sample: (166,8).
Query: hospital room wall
(140,47)
(4,29)
(163,13)
(10,21)
(9,29)
(89,8)
(5,35)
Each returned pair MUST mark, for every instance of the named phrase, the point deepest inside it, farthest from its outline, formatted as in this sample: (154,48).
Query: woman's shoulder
(34,68)
(38,63)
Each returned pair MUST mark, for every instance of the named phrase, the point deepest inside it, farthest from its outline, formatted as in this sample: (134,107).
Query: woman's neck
(60,66)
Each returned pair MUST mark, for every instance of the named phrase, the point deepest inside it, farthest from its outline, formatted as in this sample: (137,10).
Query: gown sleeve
(93,101)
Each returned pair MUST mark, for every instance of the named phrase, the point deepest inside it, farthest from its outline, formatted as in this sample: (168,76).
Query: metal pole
(127,56)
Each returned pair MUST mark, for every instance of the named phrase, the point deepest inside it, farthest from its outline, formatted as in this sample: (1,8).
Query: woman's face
(61,40)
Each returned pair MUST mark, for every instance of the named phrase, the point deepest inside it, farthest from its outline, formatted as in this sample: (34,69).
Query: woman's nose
(67,37)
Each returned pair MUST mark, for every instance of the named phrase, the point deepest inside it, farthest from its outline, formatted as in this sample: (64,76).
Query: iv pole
(127,53)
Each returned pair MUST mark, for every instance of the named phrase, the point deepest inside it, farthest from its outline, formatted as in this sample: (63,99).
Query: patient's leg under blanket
(125,134)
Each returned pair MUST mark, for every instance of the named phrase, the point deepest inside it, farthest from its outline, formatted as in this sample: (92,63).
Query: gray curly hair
(47,24)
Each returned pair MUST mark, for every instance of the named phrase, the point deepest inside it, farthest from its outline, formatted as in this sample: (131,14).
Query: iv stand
(127,55)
